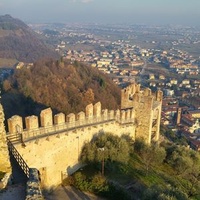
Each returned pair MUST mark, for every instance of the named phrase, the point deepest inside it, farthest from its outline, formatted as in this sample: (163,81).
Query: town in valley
(157,57)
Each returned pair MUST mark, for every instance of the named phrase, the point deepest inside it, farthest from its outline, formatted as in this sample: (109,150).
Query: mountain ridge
(18,41)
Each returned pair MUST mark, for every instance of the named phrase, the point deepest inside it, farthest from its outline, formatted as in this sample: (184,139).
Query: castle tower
(127,95)
(5,165)
(147,107)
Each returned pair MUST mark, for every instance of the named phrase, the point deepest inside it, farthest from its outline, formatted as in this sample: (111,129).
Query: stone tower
(5,165)
(147,107)
(178,118)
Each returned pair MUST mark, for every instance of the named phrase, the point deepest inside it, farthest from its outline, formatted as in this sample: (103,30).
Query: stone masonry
(54,148)
(53,144)
(147,108)
(5,165)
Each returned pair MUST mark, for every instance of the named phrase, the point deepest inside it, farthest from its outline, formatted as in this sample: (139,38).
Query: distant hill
(60,85)
(19,42)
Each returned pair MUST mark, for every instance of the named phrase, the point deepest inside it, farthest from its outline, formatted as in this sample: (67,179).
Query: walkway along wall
(54,148)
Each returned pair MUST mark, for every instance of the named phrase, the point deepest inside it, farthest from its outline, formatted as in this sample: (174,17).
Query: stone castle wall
(53,144)
(55,149)
(58,155)
(4,154)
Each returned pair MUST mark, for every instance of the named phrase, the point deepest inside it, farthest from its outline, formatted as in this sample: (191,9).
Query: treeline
(63,86)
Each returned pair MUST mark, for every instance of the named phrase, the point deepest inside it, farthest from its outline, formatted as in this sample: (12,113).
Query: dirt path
(70,193)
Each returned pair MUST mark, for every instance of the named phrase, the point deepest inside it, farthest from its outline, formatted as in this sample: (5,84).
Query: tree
(180,158)
(186,163)
(115,149)
(164,193)
(152,155)
(192,175)
(99,184)
(6,85)
(88,96)
(139,145)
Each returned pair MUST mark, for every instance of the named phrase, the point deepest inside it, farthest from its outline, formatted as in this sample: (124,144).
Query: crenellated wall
(53,144)
(54,150)
(15,124)
(93,114)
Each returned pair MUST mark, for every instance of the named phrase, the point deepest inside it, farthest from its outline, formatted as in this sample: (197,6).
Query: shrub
(80,181)
(99,184)
(68,181)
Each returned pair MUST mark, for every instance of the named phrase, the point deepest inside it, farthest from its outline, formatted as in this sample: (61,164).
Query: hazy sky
(104,11)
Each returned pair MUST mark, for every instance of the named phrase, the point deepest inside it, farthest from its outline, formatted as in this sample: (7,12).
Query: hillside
(164,171)
(19,42)
(63,86)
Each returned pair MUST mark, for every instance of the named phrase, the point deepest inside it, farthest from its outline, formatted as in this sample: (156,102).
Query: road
(140,78)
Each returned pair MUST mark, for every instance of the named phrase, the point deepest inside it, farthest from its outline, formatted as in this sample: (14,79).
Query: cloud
(86,1)
(82,1)
(1,4)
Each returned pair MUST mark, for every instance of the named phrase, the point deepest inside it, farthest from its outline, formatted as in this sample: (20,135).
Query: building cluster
(118,50)
(180,67)
(183,119)
(174,86)
(122,61)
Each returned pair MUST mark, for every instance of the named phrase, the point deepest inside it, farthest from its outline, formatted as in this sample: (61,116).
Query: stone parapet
(59,118)
(31,122)
(46,117)
(15,124)
(93,115)
(89,111)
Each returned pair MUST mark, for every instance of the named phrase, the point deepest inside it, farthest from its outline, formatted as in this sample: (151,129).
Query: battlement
(47,123)
(132,95)
(131,89)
